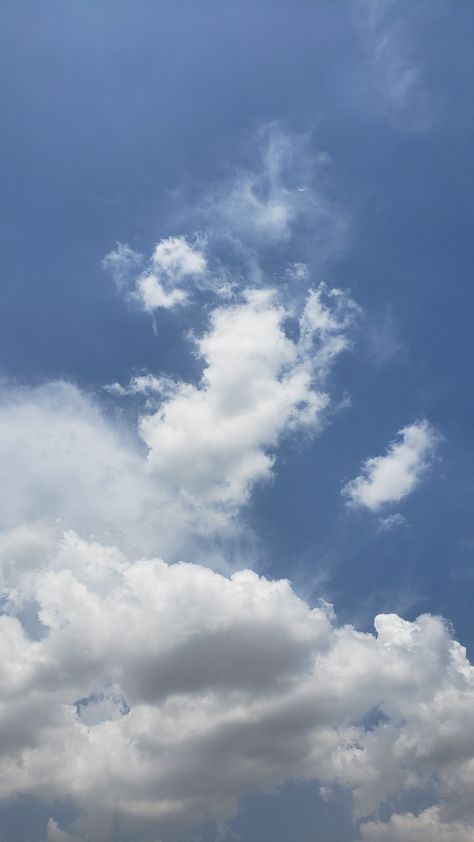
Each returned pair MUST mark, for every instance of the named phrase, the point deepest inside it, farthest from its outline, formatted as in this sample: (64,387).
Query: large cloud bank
(159,694)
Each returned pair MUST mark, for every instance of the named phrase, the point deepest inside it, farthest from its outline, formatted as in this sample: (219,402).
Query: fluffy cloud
(143,384)
(390,478)
(152,294)
(428,826)
(172,261)
(176,257)
(159,694)
(158,285)
(193,460)
(63,458)
(212,442)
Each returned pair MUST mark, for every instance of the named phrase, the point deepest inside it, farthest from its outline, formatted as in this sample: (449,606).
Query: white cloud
(390,478)
(143,384)
(158,286)
(428,826)
(173,260)
(152,294)
(214,441)
(281,198)
(177,258)
(55,834)
(385,524)
(63,458)
(159,695)
(195,459)
(197,688)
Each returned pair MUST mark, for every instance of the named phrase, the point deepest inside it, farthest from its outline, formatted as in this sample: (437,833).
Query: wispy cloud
(386,524)
(124,264)
(275,213)
(278,202)
(397,78)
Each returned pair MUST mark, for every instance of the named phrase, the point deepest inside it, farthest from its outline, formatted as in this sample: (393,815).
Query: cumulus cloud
(173,260)
(152,294)
(160,694)
(158,285)
(390,478)
(198,449)
(428,826)
(214,441)
(64,458)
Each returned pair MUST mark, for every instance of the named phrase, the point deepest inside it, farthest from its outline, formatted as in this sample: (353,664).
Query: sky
(236,532)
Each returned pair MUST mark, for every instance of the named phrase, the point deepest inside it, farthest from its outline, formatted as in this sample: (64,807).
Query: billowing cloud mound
(160,694)
(213,441)
(390,478)
(196,458)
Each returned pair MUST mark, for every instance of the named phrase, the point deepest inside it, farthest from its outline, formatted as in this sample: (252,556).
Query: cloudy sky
(236,532)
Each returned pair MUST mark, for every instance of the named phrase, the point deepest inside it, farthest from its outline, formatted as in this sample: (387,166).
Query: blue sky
(236,332)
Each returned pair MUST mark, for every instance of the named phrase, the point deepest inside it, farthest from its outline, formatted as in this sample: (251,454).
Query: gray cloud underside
(161,694)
